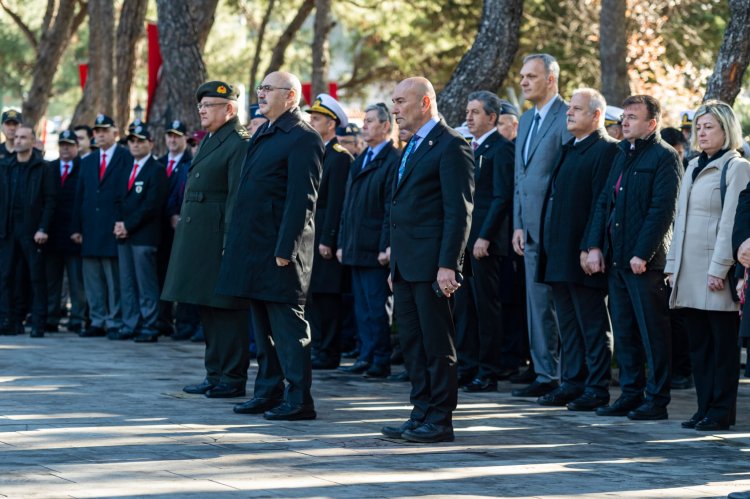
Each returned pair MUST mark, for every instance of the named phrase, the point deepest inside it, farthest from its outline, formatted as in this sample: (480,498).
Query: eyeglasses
(628,117)
(269,88)
(202,106)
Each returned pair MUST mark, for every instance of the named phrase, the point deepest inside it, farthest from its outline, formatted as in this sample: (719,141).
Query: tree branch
(21,25)
(48,13)
(80,16)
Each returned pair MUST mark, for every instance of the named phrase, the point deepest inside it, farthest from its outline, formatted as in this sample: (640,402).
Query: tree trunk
(98,92)
(53,41)
(613,50)
(320,54)
(279,51)
(129,30)
(734,55)
(252,96)
(183,30)
(486,65)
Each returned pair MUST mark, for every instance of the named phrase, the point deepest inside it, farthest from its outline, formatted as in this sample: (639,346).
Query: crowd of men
(489,246)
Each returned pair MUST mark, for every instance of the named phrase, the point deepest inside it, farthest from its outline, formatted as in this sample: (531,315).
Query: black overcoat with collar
(274,214)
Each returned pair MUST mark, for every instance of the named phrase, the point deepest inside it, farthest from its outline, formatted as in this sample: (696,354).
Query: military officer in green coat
(199,242)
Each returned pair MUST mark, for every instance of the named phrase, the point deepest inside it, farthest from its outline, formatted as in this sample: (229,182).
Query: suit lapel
(544,127)
(424,147)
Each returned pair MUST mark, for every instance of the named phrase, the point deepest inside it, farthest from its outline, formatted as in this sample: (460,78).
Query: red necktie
(132,175)
(66,171)
(103,166)
(170,168)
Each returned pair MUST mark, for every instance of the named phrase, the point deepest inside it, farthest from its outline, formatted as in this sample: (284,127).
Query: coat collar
(209,144)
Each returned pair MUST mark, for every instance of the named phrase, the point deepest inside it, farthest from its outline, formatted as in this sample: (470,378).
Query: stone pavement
(95,418)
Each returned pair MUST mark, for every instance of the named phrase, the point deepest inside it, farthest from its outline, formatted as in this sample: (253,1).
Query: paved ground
(93,418)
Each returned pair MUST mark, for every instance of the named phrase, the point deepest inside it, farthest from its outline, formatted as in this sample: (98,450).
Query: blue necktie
(407,153)
(368,158)
(532,135)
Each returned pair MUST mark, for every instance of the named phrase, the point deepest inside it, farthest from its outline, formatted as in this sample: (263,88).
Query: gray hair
(491,103)
(550,64)
(382,112)
(596,102)
(727,120)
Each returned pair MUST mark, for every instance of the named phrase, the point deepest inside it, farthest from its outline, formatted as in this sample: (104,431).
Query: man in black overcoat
(269,249)
(430,221)
(578,295)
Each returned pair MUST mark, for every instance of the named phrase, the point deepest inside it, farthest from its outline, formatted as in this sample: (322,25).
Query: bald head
(414,103)
(279,92)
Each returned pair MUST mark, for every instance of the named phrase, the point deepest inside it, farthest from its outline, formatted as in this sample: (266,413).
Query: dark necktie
(368,158)
(407,153)
(532,135)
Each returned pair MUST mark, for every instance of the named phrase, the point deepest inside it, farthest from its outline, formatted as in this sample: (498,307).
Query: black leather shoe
(256,406)
(621,407)
(224,391)
(535,389)
(146,338)
(481,385)
(115,335)
(397,431)
(378,372)
(51,328)
(7,329)
(465,379)
(647,411)
(351,354)
(429,433)
(289,412)
(587,402)
(525,377)
(681,382)
(690,423)
(401,377)
(200,388)
(36,333)
(558,397)
(322,363)
(506,374)
(710,424)
(359,367)
(92,332)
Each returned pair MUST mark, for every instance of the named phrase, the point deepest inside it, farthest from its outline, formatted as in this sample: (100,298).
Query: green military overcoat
(212,183)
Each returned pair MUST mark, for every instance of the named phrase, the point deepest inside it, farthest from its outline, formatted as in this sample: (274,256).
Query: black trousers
(715,356)
(323,312)
(467,326)
(425,329)
(487,289)
(640,318)
(227,345)
(585,338)
(680,344)
(282,336)
(17,252)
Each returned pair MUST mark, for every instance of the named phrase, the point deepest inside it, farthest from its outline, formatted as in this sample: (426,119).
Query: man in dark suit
(324,306)
(630,230)
(94,217)
(138,231)
(430,221)
(27,203)
(63,255)
(578,295)
(268,256)
(489,238)
(176,162)
(365,239)
(199,242)
(541,134)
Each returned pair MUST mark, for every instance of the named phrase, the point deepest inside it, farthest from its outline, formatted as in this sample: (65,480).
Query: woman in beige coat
(700,259)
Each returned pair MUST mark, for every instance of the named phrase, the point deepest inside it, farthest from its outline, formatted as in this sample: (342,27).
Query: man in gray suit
(541,134)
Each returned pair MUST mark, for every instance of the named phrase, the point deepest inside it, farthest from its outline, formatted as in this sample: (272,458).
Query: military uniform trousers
(139,288)
(101,281)
(227,337)
(58,266)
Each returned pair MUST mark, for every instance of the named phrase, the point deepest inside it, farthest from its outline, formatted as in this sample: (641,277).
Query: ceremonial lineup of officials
(562,237)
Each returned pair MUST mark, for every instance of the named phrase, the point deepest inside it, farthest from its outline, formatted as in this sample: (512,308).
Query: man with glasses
(631,228)
(199,242)
(269,250)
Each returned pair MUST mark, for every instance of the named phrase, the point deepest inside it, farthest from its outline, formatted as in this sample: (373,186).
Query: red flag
(154,64)
(83,73)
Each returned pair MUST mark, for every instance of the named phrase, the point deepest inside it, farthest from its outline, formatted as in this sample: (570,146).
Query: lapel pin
(429,143)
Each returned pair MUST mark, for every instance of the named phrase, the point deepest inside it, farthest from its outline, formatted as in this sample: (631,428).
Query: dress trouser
(542,322)
(282,337)
(715,356)
(227,345)
(486,285)
(16,249)
(425,329)
(370,290)
(101,281)
(58,264)
(585,338)
(139,287)
(467,326)
(638,304)
(323,312)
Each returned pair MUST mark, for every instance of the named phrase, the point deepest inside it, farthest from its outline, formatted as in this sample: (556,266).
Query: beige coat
(702,242)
